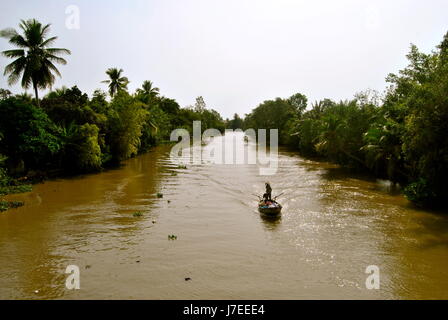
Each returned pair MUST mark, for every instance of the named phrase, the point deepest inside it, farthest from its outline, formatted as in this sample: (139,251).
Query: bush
(420,193)
(27,134)
(4,178)
(126,120)
(89,152)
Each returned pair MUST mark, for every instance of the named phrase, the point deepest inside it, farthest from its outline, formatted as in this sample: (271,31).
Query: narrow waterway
(333,226)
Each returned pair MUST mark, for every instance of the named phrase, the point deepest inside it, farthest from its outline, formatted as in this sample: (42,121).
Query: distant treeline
(401,135)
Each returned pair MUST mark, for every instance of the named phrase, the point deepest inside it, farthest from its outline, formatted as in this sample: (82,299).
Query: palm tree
(59,92)
(33,59)
(25,96)
(147,92)
(5,93)
(383,149)
(148,89)
(332,141)
(116,81)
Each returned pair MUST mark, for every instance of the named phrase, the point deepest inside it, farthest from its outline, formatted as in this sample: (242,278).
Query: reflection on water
(333,225)
(271,223)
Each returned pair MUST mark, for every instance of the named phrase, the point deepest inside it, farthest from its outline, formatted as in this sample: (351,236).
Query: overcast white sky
(236,53)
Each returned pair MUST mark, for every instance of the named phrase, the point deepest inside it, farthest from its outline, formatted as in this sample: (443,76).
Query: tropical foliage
(67,131)
(400,135)
(72,132)
(34,60)
(116,81)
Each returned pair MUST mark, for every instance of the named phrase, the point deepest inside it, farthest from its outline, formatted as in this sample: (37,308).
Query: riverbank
(11,186)
(24,184)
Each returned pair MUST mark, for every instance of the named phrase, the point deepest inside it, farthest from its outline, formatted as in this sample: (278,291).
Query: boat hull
(272,212)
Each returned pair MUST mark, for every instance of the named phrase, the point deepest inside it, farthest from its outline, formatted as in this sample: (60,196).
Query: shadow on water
(271,223)
(343,174)
(433,228)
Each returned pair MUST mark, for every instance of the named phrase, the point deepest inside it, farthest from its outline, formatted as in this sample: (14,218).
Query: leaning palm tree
(116,81)
(33,59)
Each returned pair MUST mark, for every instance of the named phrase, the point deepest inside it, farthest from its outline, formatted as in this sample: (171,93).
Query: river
(333,225)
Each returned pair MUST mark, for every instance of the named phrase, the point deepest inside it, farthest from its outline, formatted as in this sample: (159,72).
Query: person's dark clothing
(268,194)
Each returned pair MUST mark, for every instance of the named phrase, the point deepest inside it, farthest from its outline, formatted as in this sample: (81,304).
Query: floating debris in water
(169,201)
(16,204)
(15,189)
(172,237)
(88,266)
(5,205)
(137,214)
(159,195)
(187,279)
(182,167)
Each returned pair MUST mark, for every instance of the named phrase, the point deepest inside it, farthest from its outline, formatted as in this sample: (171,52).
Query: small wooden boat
(270,209)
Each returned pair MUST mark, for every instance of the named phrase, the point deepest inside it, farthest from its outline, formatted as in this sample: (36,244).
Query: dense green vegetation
(400,135)
(71,132)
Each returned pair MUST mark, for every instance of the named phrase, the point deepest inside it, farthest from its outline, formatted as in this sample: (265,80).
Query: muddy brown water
(332,227)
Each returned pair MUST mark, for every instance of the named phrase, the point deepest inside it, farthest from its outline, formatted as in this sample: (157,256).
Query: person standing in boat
(268,194)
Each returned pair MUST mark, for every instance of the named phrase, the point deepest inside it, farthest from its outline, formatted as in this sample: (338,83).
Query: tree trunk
(36,93)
